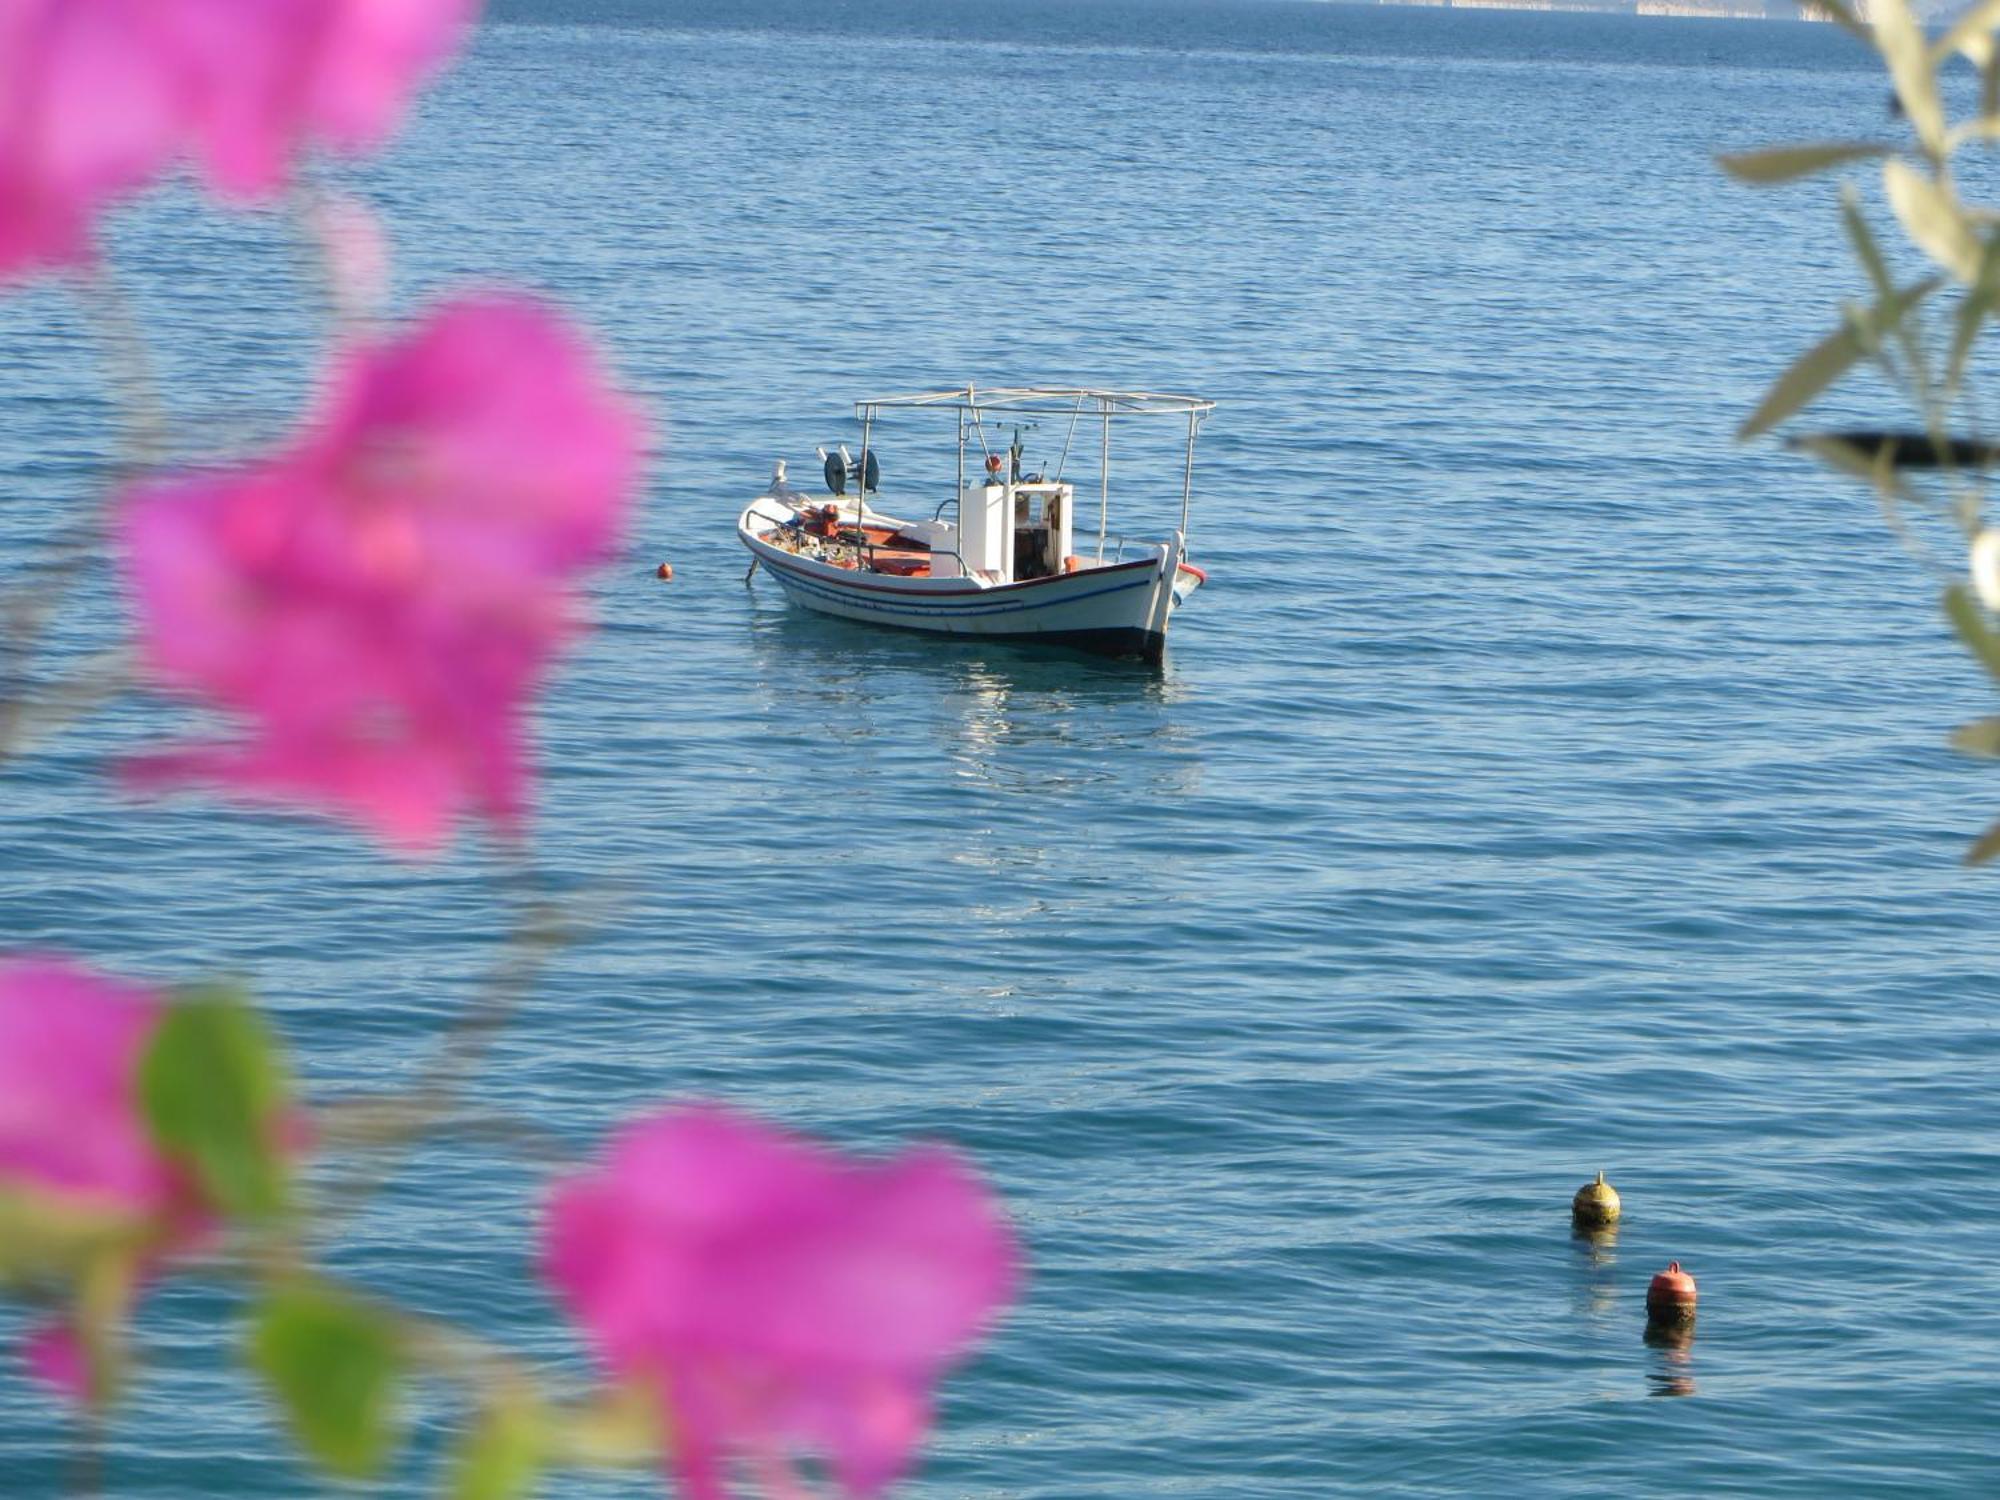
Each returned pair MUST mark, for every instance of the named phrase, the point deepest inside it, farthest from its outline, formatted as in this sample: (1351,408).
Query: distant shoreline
(1725,10)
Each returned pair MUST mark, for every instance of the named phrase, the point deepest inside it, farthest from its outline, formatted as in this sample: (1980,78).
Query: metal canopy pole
(861,491)
(1103,478)
(1187,477)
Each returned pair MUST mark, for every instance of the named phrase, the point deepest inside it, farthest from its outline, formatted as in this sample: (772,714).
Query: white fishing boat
(1000,554)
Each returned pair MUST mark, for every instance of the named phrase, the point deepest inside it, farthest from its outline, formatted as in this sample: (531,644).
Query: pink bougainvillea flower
(779,1298)
(70,1045)
(73,1143)
(378,603)
(56,1357)
(90,107)
(267,78)
(98,96)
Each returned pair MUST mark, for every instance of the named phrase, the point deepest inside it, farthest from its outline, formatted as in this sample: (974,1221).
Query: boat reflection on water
(1010,717)
(1673,1371)
(1021,727)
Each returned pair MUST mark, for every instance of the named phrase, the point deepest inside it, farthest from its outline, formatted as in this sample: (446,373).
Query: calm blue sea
(1542,784)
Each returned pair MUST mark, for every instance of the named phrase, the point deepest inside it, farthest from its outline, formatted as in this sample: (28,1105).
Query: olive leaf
(1837,11)
(1980,737)
(1901,42)
(1859,335)
(1984,127)
(1984,847)
(1788,163)
(1863,239)
(1930,213)
(1963,611)
(1969,34)
(1973,310)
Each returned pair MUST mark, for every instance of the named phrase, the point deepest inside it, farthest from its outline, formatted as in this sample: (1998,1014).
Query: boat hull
(1119,609)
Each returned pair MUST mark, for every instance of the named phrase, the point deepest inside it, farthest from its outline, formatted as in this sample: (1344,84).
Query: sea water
(1541,784)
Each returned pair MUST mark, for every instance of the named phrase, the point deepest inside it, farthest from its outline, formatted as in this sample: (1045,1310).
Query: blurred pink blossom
(97,97)
(778,1297)
(90,106)
(70,1045)
(266,78)
(56,1357)
(72,1138)
(379,602)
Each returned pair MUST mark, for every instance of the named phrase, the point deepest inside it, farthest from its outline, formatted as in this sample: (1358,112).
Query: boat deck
(866,549)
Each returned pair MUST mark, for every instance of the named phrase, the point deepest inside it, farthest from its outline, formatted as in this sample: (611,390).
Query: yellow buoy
(1595,1204)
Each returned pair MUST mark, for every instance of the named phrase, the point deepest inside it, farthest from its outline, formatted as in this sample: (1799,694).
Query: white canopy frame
(1004,402)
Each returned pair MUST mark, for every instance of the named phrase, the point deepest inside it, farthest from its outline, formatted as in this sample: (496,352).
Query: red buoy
(1671,1296)
(666,570)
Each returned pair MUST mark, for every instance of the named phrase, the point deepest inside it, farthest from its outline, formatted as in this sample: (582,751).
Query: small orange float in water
(1670,1299)
(666,570)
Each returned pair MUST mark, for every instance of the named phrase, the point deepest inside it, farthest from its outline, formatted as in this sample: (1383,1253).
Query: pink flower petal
(379,603)
(55,1356)
(70,1046)
(97,97)
(786,1297)
(88,110)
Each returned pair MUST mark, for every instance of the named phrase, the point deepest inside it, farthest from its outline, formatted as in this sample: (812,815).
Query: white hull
(1120,609)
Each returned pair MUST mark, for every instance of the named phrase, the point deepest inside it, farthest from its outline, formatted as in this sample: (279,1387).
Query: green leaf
(1829,359)
(1931,215)
(336,1365)
(1901,42)
(502,1457)
(1962,609)
(214,1093)
(1967,32)
(1787,163)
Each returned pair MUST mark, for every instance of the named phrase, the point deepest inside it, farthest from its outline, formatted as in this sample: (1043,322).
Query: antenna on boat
(1014,450)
